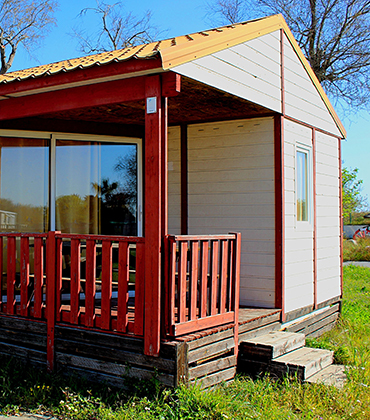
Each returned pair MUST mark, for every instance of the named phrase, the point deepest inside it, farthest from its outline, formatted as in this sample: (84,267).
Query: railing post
(236,289)
(50,297)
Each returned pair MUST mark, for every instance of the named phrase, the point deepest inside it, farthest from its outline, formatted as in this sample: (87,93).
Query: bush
(358,250)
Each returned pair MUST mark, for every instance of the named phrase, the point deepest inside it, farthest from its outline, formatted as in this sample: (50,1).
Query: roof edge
(172,57)
(313,77)
(186,53)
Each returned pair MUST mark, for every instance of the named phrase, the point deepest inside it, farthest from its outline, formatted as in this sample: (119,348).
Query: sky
(179,18)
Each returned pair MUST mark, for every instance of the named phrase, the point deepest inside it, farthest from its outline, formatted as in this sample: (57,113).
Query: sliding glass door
(24,174)
(72,183)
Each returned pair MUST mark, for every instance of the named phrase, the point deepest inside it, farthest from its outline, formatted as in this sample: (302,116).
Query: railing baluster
(106,287)
(204,279)
(25,274)
(231,275)
(10,305)
(223,274)
(58,277)
(139,289)
(123,280)
(1,274)
(38,277)
(90,283)
(193,278)
(75,280)
(172,280)
(182,280)
(214,278)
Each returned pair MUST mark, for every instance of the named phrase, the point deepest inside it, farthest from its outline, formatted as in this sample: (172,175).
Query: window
(302,186)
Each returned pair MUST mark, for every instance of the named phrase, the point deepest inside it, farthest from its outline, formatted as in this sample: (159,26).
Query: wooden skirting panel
(24,339)
(116,359)
(259,326)
(317,324)
(211,359)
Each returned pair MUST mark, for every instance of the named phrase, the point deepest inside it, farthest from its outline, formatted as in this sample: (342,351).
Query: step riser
(304,370)
(265,352)
(281,354)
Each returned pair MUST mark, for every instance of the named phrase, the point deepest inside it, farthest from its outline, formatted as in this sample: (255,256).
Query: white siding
(250,70)
(174,181)
(328,222)
(302,100)
(298,246)
(231,188)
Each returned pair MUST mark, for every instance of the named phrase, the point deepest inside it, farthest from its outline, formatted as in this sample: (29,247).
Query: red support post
(50,297)
(153,213)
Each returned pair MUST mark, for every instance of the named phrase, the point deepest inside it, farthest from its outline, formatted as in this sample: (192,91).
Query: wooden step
(271,345)
(303,362)
(331,375)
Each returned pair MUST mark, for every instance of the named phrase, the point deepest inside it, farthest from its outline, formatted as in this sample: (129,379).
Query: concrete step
(271,345)
(303,362)
(331,375)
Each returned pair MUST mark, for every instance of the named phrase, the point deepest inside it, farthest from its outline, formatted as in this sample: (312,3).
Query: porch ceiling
(196,103)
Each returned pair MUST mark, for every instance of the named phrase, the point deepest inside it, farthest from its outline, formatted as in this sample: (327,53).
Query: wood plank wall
(231,189)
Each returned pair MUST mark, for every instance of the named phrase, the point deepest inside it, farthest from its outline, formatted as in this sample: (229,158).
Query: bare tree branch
(117,29)
(333,34)
(23,22)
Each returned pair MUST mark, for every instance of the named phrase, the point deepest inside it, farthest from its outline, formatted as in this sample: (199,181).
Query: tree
(117,29)
(352,200)
(23,22)
(333,34)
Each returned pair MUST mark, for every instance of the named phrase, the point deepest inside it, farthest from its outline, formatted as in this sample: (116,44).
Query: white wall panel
(250,70)
(298,245)
(174,181)
(231,191)
(302,100)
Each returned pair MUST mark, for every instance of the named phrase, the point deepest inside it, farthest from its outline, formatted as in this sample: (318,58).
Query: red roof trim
(81,75)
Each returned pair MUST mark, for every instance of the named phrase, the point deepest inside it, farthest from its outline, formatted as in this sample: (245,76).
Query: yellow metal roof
(183,49)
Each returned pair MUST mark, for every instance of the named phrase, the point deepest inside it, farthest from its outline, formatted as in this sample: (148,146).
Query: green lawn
(32,390)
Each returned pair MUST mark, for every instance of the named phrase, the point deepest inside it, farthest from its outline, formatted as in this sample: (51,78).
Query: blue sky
(178,18)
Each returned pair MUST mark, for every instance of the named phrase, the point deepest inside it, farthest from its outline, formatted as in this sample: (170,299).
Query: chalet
(167,201)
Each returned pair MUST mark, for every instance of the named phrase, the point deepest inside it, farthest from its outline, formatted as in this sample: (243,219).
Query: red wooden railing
(100,296)
(202,282)
(22,274)
(84,280)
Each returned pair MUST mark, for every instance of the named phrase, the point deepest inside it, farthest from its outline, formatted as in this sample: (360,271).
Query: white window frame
(307,150)
(54,136)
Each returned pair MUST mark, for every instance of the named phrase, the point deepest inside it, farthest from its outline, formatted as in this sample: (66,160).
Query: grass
(27,389)
(356,251)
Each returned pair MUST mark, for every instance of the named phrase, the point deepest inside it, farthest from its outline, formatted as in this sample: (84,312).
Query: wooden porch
(97,282)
